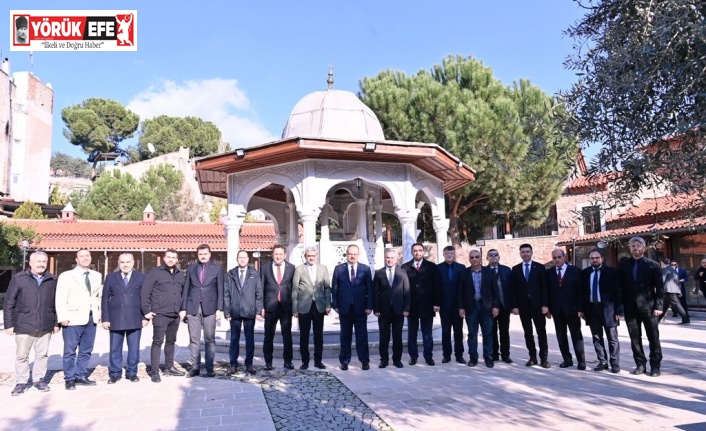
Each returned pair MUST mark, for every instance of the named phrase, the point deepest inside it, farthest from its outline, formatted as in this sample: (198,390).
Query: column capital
(407,215)
(309,214)
(441,224)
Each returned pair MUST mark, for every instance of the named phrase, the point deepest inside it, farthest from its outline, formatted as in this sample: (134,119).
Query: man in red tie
(277,291)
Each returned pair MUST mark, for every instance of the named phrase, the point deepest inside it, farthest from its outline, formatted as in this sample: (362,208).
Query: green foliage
(65,165)
(99,124)
(56,197)
(515,137)
(216,206)
(29,210)
(167,134)
(10,238)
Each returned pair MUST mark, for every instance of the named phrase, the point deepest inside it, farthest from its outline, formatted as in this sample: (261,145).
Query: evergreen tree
(29,210)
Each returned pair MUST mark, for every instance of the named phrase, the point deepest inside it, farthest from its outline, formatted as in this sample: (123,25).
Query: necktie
(125,279)
(594,286)
(558,277)
(634,271)
(417,265)
(352,273)
(242,277)
(451,273)
(88,282)
(390,276)
(279,281)
(497,274)
(202,274)
(527,272)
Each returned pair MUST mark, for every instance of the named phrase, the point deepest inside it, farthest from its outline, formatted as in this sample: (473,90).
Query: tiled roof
(586,184)
(133,235)
(664,205)
(647,228)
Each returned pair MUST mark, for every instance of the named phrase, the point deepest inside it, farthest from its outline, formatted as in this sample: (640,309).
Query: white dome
(333,114)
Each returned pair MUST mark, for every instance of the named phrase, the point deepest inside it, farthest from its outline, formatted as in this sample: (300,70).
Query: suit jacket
(358,294)
(564,299)
(208,294)
(507,297)
(490,296)
(610,291)
(73,301)
(121,304)
(270,287)
(242,300)
(532,292)
(305,290)
(645,294)
(395,299)
(425,286)
(449,295)
(671,280)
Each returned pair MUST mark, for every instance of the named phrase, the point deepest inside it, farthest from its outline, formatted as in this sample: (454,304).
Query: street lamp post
(25,246)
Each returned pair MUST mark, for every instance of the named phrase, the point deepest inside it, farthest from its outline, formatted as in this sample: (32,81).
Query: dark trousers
(385,323)
(196,323)
(682,301)
(651,325)
(483,317)
(413,324)
(164,326)
(248,326)
(285,324)
(348,322)
(315,317)
(672,300)
(451,321)
(115,364)
(79,337)
(596,322)
(529,315)
(573,322)
(501,327)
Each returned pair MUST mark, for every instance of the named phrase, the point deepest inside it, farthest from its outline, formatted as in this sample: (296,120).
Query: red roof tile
(133,235)
(664,205)
(587,184)
(662,227)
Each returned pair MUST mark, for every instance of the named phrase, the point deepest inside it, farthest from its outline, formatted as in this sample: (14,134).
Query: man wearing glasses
(501,323)
(683,278)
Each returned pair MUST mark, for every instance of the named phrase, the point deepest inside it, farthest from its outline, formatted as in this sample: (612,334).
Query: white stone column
(232,228)
(292,227)
(441,228)
(323,219)
(362,232)
(379,241)
(408,220)
(308,217)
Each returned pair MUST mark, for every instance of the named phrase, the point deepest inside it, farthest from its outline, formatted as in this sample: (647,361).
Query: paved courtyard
(445,397)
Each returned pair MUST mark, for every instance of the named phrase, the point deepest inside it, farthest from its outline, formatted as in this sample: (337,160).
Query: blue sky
(244,65)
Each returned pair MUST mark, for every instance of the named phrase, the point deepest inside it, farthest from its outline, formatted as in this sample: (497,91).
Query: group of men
(38,305)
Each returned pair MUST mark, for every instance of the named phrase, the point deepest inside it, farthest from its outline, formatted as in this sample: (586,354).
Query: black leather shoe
(210,373)
(288,365)
(581,366)
(304,366)
(472,362)
(615,369)
(460,360)
(172,371)
(194,372)
(268,366)
(601,366)
(496,358)
(320,365)
(383,364)
(113,379)
(684,322)
(133,379)
(155,377)
(489,364)
(232,370)
(398,364)
(640,369)
(655,372)
(507,360)
(546,364)
(566,364)
(413,361)
(250,370)
(84,381)
(531,362)
(430,362)
(343,367)
(70,385)
(445,360)
(366,366)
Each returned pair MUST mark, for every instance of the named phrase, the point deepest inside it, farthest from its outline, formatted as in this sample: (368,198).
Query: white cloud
(219,101)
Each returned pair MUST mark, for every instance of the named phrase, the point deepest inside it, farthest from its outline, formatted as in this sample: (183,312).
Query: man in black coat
(478,303)
(602,308)
(643,290)
(564,284)
(30,316)
(277,291)
(425,288)
(202,304)
(160,301)
(450,271)
(501,323)
(242,303)
(121,315)
(391,305)
(531,301)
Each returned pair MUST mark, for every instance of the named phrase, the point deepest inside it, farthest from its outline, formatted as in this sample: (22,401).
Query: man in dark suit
(564,286)
(478,303)
(643,290)
(450,271)
(242,303)
(602,308)
(501,323)
(277,291)
(700,277)
(121,315)
(683,278)
(202,304)
(391,306)
(311,301)
(531,301)
(425,288)
(352,299)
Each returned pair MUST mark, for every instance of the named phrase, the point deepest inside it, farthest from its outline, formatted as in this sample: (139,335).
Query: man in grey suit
(392,301)
(311,301)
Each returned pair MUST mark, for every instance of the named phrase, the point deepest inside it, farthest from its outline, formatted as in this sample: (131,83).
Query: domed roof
(333,114)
